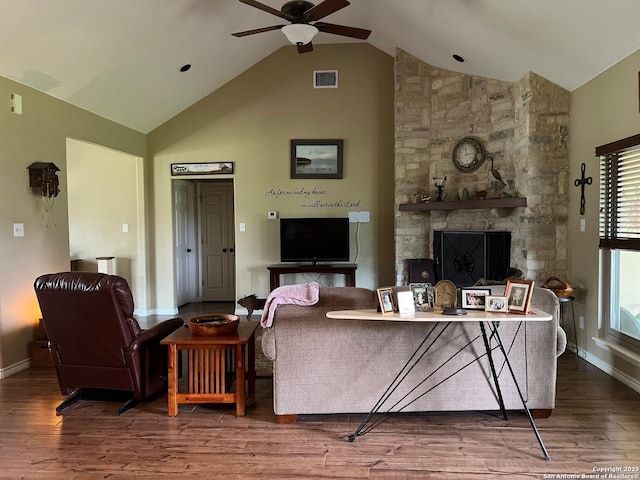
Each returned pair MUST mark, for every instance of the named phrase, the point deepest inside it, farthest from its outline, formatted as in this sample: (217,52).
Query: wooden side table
(210,363)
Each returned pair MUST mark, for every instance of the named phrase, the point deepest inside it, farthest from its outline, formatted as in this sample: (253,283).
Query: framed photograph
(518,293)
(216,168)
(385,297)
(316,158)
(423,296)
(474,298)
(495,303)
(405,302)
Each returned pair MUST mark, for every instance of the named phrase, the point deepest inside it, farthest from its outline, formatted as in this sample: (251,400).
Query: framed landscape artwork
(316,158)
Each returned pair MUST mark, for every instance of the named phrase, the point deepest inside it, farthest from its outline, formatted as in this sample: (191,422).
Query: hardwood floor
(596,424)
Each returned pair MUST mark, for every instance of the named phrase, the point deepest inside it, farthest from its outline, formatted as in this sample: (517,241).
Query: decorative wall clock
(468,154)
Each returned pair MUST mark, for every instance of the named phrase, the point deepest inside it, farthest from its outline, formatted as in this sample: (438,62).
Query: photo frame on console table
(316,158)
(518,293)
(423,296)
(496,304)
(403,299)
(385,297)
(474,298)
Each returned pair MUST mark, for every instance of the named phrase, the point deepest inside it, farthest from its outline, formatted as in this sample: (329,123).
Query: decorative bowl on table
(561,288)
(214,324)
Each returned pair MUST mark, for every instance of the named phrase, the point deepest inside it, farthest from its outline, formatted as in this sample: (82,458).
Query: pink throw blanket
(306,294)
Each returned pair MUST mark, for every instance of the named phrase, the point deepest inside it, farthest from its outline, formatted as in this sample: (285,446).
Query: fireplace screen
(466,257)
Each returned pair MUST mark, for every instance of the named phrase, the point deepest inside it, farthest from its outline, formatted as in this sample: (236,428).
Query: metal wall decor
(581,182)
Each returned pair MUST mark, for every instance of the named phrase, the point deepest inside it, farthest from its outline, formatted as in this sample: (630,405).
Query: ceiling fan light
(299,33)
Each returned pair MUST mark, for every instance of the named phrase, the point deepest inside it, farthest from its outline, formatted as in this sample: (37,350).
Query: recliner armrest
(158,332)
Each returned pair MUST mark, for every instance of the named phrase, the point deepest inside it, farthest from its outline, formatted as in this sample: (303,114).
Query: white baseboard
(611,370)
(15,368)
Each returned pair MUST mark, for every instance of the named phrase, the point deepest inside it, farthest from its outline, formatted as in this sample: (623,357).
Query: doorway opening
(114,228)
(204,240)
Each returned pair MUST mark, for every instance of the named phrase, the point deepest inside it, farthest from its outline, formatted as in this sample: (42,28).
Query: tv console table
(346,269)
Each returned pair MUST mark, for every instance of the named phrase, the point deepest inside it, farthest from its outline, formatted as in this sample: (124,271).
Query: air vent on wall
(325,79)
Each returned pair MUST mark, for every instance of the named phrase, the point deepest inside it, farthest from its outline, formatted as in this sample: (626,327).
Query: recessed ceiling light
(185,67)
(458,58)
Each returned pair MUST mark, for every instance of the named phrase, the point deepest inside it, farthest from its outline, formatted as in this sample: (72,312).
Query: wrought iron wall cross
(581,182)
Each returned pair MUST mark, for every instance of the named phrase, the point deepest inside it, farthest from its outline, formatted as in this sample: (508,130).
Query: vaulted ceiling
(120,59)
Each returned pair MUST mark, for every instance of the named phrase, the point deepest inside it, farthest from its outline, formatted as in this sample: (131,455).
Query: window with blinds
(620,194)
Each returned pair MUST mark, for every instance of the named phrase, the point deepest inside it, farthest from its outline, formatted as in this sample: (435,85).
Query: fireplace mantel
(465,204)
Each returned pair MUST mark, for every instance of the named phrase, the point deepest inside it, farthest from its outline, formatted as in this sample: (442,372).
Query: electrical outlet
(243,227)
(272,215)
(364,217)
(581,322)
(582,224)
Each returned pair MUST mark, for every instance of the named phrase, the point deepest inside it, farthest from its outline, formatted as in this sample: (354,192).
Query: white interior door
(185,241)
(218,241)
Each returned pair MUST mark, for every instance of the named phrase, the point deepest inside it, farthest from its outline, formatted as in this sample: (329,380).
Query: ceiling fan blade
(305,48)
(325,8)
(267,8)
(257,30)
(343,30)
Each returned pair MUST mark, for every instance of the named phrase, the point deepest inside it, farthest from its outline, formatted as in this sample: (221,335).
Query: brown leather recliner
(96,344)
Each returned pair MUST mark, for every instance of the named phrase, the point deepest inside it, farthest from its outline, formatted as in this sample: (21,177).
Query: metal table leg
(494,331)
(569,300)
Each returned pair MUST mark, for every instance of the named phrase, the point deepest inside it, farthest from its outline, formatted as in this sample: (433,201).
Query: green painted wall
(38,135)
(603,110)
(251,120)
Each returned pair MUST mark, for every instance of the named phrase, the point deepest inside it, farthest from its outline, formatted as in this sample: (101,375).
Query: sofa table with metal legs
(491,341)
(213,363)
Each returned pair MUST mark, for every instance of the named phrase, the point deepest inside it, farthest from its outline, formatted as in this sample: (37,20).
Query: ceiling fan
(304,24)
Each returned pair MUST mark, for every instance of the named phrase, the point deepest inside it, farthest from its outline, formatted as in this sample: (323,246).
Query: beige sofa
(324,365)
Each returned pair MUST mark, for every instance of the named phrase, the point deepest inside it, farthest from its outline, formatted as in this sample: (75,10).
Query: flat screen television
(314,240)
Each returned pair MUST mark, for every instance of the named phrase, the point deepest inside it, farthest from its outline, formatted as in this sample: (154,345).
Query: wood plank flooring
(596,424)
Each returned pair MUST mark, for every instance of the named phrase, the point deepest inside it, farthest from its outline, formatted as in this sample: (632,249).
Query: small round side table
(569,301)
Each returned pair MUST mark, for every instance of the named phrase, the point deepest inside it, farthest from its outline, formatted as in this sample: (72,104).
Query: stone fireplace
(524,126)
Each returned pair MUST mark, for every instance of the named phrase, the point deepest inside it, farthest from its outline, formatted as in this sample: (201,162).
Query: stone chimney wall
(523,126)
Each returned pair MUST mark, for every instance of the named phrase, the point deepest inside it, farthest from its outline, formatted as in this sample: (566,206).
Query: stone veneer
(524,126)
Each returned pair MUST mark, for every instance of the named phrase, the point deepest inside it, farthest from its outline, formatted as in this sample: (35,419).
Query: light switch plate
(18,229)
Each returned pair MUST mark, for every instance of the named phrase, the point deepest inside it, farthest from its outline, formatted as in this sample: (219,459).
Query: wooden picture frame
(474,298)
(496,303)
(518,293)
(385,297)
(316,158)
(423,296)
